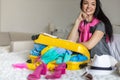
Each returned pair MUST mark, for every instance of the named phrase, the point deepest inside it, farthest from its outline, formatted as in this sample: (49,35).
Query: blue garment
(59,54)
(60,50)
(37,49)
(78,58)
(64,56)
(67,56)
(82,57)
(34,53)
(50,55)
(59,60)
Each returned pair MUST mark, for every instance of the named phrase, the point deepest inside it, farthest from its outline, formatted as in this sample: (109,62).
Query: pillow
(20,36)
(4,39)
(4,49)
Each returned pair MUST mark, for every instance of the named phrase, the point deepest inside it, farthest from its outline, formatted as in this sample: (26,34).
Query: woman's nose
(88,6)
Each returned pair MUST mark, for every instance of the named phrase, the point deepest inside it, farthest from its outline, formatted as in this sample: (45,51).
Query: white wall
(33,16)
(0,15)
(111,9)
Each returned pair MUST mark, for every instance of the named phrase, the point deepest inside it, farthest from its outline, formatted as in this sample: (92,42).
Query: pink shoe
(40,70)
(61,67)
(59,70)
(20,65)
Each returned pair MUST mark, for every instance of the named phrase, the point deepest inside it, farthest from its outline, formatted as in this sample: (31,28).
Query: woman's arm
(96,37)
(74,34)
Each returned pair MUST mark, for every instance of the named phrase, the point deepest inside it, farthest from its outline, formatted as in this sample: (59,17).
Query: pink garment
(85,34)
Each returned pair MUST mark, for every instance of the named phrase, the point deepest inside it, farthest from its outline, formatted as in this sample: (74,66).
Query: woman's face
(89,6)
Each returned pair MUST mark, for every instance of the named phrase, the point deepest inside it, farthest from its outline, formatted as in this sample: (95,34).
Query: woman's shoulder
(100,26)
(101,23)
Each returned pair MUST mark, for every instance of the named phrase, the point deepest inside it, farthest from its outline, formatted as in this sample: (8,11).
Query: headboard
(64,32)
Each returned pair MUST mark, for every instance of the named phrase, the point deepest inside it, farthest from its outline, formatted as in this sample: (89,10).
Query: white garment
(115,46)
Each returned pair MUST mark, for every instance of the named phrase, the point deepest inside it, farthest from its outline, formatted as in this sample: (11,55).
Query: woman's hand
(82,16)
(74,34)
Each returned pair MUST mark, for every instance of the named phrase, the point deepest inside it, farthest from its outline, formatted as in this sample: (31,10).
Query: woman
(92,28)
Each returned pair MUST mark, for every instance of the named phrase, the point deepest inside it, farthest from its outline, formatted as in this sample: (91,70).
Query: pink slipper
(59,70)
(40,70)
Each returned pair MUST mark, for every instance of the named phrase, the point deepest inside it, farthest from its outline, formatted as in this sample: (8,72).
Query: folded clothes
(78,57)
(59,54)
(46,49)
(37,49)
(60,50)
(49,56)
(34,53)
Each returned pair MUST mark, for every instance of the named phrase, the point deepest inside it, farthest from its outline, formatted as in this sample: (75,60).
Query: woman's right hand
(74,34)
(82,16)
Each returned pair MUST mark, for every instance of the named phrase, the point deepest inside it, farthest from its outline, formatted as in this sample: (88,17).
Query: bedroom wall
(111,9)
(0,15)
(33,16)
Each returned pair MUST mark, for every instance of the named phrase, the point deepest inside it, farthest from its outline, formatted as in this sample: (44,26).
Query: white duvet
(115,46)
(7,72)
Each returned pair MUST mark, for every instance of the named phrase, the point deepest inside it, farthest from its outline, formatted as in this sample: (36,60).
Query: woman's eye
(93,4)
(85,3)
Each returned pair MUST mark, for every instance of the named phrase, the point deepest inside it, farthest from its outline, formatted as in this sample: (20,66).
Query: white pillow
(4,39)
(4,49)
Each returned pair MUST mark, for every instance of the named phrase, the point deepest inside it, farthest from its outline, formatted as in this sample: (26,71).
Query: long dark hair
(99,14)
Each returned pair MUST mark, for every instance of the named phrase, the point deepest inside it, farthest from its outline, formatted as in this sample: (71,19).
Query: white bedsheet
(7,72)
(115,46)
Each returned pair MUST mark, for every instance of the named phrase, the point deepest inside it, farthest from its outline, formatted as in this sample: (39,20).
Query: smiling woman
(88,8)
(92,28)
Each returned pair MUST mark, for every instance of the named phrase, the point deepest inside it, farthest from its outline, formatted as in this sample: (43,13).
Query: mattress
(7,72)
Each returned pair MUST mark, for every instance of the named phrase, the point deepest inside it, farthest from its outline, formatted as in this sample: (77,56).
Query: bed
(7,72)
